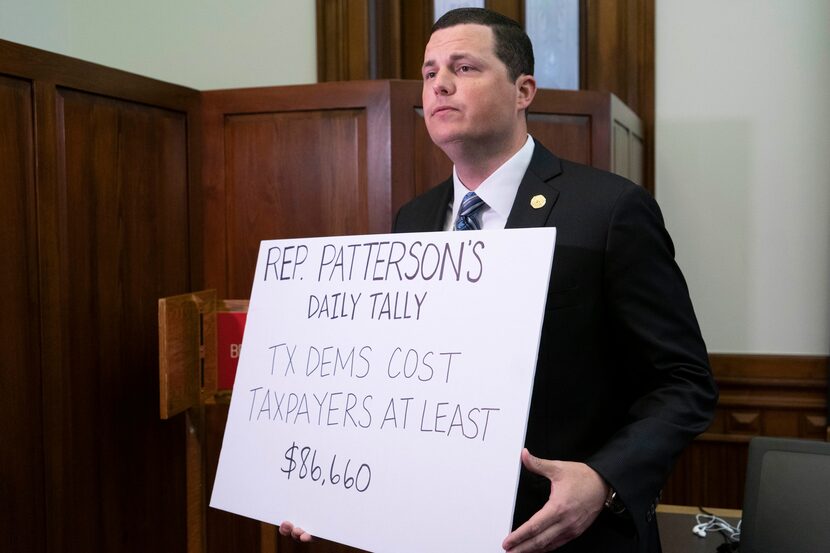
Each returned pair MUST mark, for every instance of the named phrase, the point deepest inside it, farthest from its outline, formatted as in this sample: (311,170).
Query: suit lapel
(437,209)
(536,188)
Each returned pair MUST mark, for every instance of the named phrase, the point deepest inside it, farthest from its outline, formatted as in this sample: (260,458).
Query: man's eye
(465,69)
(429,75)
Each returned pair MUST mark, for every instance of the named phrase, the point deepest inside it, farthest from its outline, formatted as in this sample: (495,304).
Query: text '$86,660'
(302,462)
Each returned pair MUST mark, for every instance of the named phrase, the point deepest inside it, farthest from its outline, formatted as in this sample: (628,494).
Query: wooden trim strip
(688,510)
(772,382)
(781,367)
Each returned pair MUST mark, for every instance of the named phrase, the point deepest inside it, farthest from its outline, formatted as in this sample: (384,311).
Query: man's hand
(577,495)
(288,529)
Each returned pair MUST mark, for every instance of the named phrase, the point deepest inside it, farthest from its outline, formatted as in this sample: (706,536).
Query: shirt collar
(499,189)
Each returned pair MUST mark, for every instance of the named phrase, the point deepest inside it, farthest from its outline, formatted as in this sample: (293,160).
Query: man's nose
(442,84)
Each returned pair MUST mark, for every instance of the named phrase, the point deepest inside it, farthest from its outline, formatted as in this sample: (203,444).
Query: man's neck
(475,162)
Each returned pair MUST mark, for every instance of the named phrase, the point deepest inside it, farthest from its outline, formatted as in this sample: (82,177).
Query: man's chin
(444,139)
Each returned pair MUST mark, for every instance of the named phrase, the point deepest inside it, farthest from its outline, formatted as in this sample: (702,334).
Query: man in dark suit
(622,382)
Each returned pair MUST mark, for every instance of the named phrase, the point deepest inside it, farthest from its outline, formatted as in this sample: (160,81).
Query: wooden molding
(812,367)
(769,395)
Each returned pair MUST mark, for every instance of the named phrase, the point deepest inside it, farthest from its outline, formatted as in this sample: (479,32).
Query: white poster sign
(383,387)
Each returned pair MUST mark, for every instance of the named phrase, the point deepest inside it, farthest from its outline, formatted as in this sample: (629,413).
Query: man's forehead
(463,39)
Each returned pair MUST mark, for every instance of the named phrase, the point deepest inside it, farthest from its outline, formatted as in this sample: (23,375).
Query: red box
(230,326)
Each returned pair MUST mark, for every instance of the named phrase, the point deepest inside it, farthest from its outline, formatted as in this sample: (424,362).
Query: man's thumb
(536,465)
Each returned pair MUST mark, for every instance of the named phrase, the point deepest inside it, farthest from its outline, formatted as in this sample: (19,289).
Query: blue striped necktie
(468,215)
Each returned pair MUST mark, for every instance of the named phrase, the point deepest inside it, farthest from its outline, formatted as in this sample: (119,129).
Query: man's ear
(526,88)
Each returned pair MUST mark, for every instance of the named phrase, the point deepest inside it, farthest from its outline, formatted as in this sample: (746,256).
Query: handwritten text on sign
(384,384)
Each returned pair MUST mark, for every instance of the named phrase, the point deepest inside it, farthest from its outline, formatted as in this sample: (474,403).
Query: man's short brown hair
(512,45)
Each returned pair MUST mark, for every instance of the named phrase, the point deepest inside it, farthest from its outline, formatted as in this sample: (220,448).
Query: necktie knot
(468,214)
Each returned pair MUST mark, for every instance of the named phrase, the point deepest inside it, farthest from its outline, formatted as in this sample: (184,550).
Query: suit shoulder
(431,197)
(590,180)
(577,178)
(425,211)
(599,195)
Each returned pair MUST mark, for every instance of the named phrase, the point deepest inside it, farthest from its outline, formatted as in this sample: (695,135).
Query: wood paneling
(21,455)
(781,396)
(514,9)
(593,128)
(708,474)
(617,56)
(760,395)
(266,191)
(341,22)
(416,23)
(567,135)
(371,39)
(433,166)
(225,532)
(290,162)
(99,201)
(628,145)
(122,230)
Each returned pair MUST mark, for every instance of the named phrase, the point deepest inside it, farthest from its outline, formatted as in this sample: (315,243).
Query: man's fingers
(538,466)
(287,528)
(302,535)
(541,532)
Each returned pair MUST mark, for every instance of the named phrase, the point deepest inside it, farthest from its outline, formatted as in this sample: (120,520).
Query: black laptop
(787,498)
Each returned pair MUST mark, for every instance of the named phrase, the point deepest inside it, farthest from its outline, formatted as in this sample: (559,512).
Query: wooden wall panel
(617,56)
(281,164)
(97,189)
(225,532)
(342,22)
(408,135)
(432,166)
(416,23)
(708,474)
(288,162)
(567,135)
(21,455)
(124,233)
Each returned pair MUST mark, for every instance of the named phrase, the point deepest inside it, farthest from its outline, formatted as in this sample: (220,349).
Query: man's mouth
(442,109)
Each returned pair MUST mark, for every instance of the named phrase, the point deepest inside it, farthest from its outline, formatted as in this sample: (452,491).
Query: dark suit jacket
(623,381)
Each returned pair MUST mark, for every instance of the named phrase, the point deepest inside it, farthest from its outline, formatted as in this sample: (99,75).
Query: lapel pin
(537,201)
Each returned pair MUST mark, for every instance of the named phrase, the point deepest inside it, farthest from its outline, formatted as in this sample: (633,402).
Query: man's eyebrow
(453,58)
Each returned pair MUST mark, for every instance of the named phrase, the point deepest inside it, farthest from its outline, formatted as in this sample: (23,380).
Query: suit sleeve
(660,346)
